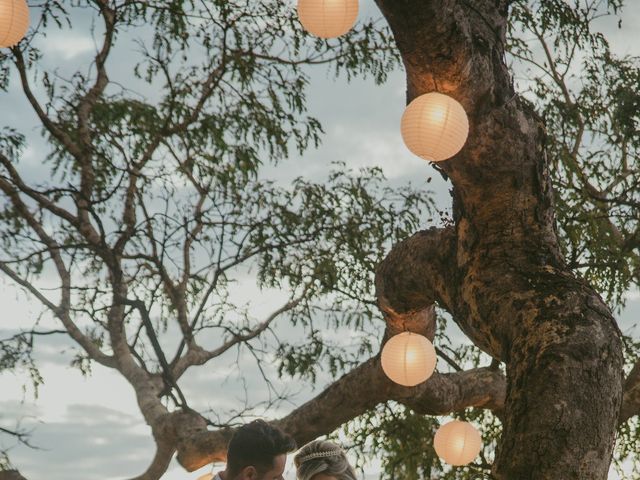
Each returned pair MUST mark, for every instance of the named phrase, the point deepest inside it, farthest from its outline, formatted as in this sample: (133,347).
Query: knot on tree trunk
(175,426)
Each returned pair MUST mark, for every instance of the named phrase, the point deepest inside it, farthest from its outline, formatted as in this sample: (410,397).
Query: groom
(257,451)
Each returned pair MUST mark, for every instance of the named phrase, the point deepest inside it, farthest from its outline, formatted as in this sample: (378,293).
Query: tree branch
(160,463)
(11,475)
(38,197)
(62,311)
(352,395)
(417,273)
(52,127)
(199,356)
(167,373)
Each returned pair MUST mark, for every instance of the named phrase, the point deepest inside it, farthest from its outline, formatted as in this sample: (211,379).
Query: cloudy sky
(89,428)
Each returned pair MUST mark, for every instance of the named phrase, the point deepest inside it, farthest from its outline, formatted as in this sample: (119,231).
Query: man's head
(258,451)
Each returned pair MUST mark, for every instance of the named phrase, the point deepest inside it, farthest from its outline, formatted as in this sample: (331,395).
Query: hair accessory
(326,453)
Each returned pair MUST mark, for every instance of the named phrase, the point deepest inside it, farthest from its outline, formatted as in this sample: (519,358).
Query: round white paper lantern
(457,443)
(408,359)
(435,127)
(328,18)
(14,21)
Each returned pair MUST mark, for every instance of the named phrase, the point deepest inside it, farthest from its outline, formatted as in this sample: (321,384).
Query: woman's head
(322,460)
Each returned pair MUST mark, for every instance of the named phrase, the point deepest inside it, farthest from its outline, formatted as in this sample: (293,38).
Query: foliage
(403,439)
(587,97)
(153,204)
(223,96)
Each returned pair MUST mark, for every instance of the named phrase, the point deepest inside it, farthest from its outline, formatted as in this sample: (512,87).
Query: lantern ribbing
(457,443)
(14,22)
(328,18)
(434,127)
(408,359)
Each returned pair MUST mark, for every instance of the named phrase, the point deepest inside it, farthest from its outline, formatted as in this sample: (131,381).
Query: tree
(153,205)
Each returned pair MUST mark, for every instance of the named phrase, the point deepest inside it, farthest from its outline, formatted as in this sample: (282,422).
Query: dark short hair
(257,444)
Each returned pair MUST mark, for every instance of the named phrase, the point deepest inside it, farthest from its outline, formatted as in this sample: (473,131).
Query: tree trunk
(506,284)
(11,475)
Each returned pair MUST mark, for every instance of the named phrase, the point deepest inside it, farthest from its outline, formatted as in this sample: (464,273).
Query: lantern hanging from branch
(328,18)
(457,443)
(14,21)
(408,359)
(434,127)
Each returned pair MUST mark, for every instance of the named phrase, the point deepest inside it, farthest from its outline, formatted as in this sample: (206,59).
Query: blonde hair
(321,456)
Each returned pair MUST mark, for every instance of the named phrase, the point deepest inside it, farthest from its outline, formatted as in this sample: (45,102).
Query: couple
(258,451)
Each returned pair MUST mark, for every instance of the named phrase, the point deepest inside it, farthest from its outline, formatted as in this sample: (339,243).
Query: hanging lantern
(457,443)
(328,18)
(14,21)
(435,127)
(408,359)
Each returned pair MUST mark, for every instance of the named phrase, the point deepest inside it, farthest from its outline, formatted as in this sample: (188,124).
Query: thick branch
(52,127)
(160,463)
(417,273)
(11,475)
(355,393)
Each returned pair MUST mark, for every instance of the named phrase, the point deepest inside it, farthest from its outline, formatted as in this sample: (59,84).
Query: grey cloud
(91,443)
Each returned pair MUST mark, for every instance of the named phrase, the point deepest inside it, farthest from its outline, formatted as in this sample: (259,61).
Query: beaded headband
(327,453)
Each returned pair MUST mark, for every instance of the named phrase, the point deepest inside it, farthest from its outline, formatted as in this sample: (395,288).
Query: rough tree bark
(11,475)
(509,289)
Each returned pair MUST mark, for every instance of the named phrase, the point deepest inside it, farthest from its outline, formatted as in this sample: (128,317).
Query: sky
(89,427)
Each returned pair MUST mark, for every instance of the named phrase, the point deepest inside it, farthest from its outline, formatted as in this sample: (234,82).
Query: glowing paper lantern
(435,127)
(408,359)
(457,443)
(328,18)
(14,21)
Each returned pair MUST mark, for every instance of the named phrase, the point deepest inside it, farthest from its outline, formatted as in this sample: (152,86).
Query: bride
(323,460)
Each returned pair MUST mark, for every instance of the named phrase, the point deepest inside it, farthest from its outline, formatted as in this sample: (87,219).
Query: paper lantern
(328,18)
(457,443)
(14,21)
(207,476)
(435,127)
(408,359)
